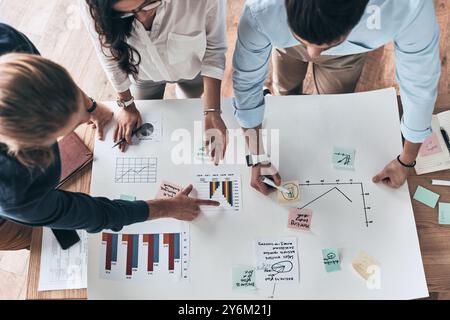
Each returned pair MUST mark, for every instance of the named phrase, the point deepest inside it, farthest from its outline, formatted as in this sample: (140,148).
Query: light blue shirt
(410,24)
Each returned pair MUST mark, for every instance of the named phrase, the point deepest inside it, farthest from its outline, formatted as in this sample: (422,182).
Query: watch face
(120,104)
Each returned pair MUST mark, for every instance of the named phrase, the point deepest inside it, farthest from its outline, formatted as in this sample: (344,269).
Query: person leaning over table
(145,44)
(334,36)
(39,102)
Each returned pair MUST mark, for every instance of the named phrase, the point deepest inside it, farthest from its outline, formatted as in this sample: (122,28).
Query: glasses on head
(146,6)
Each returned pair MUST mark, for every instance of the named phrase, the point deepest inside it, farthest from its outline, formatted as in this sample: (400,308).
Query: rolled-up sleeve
(418,71)
(251,64)
(214,61)
(118,78)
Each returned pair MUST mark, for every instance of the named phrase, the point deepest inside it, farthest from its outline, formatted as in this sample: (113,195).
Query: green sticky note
(243,278)
(444,213)
(426,196)
(127,197)
(343,158)
(331,259)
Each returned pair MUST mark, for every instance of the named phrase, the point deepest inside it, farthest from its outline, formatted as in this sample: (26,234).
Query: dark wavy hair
(113,33)
(324,21)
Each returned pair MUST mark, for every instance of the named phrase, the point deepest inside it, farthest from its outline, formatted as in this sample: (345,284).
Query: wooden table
(434,238)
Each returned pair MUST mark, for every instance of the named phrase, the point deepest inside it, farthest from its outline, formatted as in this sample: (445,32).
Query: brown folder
(75,155)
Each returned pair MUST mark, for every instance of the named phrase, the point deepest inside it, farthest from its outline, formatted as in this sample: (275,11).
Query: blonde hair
(37,99)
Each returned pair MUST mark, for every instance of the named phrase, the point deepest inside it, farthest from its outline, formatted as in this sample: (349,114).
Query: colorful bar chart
(152,241)
(158,250)
(224,188)
(111,249)
(132,241)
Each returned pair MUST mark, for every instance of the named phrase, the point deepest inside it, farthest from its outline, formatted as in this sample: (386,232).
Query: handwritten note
(294,192)
(426,196)
(299,219)
(243,278)
(430,146)
(343,158)
(168,190)
(276,260)
(331,259)
(444,213)
(364,265)
(127,197)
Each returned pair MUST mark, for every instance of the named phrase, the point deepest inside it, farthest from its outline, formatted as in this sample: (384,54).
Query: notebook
(75,155)
(434,155)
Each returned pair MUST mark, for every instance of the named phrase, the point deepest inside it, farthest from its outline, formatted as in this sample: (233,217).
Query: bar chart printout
(224,188)
(146,256)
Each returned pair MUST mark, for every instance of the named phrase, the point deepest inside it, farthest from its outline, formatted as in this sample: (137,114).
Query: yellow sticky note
(293,195)
(364,265)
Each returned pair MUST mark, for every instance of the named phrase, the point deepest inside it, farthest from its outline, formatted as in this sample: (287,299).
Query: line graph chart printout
(161,253)
(224,188)
(309,127)
(136,170)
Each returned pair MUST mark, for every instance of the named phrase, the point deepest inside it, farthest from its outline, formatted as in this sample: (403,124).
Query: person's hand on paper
(181,207)
(127,120)
(393,175)
(216,137)
(101,116)
(264,170)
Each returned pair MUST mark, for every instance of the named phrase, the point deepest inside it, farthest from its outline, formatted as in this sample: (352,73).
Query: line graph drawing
(358,195)
(136,170)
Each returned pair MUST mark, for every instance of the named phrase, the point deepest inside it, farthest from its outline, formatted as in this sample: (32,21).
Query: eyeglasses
(146,6)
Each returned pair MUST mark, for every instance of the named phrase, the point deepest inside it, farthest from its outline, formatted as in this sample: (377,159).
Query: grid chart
(136,170)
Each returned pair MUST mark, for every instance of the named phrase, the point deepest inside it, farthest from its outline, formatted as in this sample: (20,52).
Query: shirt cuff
(122,87)
(414,136)
(212,72)
(138,211)
(249,118)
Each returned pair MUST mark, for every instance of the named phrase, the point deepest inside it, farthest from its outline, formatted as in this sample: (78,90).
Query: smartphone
(66,238)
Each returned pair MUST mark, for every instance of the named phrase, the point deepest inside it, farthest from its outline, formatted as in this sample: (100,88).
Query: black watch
(93,106)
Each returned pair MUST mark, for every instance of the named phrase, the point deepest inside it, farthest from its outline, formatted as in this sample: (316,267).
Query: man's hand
(216,136)
(260,170)
(127,120)
(181,207)
(101,116)
(393,175)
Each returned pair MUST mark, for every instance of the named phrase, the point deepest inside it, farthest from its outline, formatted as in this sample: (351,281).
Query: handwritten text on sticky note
(299,219)
(168,190)
(430,146)
(243,278)
(331,259)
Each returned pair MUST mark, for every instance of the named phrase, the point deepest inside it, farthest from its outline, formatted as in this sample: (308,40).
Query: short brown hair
(37,99)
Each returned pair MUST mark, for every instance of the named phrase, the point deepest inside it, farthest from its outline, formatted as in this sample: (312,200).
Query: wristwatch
(253,159)
(125,104)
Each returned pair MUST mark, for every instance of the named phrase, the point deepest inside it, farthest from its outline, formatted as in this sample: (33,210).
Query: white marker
(273,185)
(440,183)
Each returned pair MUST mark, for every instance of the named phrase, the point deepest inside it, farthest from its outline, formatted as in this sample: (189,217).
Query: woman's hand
(100,118)
(181,207)
(216,136)
(127,120)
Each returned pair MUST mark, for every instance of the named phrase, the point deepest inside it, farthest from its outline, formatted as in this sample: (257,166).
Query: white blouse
(188,37)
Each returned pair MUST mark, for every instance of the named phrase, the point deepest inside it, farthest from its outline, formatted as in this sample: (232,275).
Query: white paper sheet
(62,269)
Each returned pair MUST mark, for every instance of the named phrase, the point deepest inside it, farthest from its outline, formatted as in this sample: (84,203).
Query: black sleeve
(68,210)
(12,40)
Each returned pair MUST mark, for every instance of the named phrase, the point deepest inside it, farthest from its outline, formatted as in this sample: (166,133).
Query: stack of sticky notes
(331,259)
(364,265)
(127,197)
(444,213)
(426,196)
